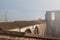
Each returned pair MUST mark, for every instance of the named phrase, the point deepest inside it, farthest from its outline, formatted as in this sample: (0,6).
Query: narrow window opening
(52,16)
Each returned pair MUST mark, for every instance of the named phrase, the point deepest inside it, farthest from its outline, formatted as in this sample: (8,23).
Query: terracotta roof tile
(15,24)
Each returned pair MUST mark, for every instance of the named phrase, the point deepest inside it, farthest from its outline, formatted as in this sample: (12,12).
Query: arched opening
(36,30)
(28,31)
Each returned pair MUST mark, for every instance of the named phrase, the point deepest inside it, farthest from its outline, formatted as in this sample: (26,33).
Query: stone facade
(53,23)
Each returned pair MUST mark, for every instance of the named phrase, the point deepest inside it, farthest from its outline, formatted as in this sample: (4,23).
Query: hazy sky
(26,9)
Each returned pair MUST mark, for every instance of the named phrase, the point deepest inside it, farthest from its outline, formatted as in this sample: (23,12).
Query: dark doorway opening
(28,31)
(36,30)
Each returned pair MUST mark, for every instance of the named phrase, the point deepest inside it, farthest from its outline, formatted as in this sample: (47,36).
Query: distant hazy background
(26,9)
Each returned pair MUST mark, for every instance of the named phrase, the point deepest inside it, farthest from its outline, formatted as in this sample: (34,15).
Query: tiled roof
(16,24)
(26,23)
